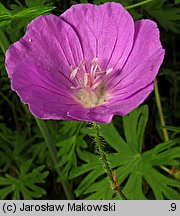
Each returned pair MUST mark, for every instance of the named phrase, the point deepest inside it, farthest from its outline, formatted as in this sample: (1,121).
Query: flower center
(90,89)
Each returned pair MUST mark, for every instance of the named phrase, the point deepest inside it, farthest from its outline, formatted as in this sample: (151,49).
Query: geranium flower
(89,64)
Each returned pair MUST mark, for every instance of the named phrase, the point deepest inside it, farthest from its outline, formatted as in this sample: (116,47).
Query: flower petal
(139,77)
(99,114)
(43,65)
(105,31)
(47,99)
(144,61)
(123,107)
(51,42)
(42,92)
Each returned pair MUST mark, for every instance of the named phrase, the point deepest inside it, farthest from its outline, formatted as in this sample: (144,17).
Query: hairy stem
(52,151)
(110,173)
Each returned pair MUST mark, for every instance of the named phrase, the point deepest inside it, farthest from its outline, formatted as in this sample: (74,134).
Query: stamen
(100,72)
(89,87)
(76,88)
(95,86)
(108,71)
(82,63)
(85,79)
(74,72)
(95,60)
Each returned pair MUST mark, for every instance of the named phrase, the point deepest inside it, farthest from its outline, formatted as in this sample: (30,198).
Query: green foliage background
(58,159)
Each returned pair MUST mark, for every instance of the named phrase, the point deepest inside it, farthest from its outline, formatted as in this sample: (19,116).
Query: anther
(108,71)
(74,72)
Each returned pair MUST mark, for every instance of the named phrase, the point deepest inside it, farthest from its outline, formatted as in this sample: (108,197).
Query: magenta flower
(89,64)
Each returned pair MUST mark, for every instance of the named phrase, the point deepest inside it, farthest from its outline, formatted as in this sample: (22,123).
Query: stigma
(90,89)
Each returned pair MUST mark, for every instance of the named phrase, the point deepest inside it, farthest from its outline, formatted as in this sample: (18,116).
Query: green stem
(52,151)
(162,121)
(160,111)
(110,173)
(138,4)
